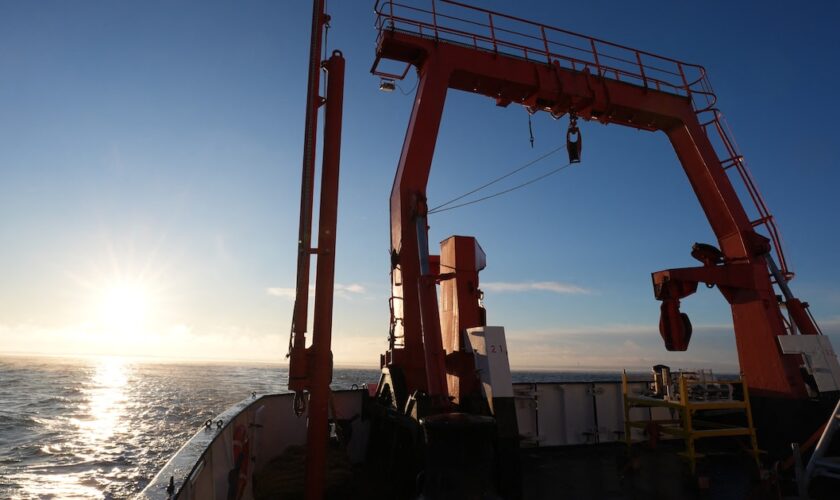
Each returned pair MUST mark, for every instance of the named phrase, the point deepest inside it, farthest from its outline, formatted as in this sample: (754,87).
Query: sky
(150,168)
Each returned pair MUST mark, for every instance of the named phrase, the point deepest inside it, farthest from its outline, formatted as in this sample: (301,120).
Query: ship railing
(483,29)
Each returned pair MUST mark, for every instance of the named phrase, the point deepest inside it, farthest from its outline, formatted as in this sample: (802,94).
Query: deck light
(387,85)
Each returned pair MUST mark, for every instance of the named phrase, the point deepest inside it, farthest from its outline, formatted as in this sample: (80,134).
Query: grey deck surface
(607,472)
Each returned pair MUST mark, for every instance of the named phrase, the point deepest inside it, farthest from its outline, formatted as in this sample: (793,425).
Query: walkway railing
(484,29)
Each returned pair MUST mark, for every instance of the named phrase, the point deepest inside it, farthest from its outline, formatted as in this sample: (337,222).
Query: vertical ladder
(717,130)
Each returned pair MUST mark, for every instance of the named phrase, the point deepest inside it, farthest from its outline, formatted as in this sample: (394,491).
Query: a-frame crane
(514,61)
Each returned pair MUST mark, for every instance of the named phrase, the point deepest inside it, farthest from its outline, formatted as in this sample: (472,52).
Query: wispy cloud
(614,346)
(227,342)
(341,290)
(538,286)
(618,330)
(286,293)
(351,288)
(830,326)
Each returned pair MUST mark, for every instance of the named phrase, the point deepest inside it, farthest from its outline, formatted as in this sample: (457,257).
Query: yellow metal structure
(687,425)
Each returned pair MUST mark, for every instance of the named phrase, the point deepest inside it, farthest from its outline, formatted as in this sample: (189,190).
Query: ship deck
(607,471)
(561,455)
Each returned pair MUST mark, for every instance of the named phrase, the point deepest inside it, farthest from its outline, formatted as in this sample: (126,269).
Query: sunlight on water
(101,428)
(57,486)
(91,438)
(106,402)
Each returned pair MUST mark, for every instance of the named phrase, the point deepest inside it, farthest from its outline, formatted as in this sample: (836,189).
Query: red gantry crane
(790,366)
(430,394)
(513,60)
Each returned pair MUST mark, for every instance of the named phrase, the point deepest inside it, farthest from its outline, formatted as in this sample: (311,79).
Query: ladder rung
(731,162)
(760,221)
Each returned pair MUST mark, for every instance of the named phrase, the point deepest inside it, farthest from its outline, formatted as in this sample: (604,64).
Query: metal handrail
(765,218)
(607,59)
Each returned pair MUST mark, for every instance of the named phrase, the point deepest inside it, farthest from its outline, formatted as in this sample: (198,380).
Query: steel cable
(497,179)
(514,188)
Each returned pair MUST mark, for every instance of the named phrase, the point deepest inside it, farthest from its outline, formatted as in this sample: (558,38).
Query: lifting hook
(574,141)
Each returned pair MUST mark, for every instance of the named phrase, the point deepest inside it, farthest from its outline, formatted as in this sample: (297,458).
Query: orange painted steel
(461,259)
(422,363)
(310,369)
(320,374)
(300,315)
(512,60)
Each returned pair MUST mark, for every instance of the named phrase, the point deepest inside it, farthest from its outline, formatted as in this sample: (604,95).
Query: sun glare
(124,307)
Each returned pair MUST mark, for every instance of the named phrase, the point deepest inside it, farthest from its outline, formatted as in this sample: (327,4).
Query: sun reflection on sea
(51,485)
(94,437)
(106,403)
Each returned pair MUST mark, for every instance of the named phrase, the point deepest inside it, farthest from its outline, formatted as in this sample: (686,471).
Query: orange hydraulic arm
(595,81)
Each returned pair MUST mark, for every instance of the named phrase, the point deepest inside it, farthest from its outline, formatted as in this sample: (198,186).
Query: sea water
(102,427)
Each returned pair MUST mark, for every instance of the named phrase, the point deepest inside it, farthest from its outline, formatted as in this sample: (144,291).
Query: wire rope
(514,188)
(536,160)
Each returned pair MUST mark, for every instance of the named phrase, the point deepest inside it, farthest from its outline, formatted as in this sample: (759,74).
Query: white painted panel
(526,413)
(558,414)
(821,359)
(565,414)
(489,349)
(580,414)
(348,405)
(258,451)
(285,429)
(610,405)
(550,414)
(204,482)
(221,464)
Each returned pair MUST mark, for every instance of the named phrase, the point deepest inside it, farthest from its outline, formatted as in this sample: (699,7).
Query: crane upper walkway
(485,30)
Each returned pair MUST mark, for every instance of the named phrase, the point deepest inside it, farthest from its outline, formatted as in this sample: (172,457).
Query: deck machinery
(430,397)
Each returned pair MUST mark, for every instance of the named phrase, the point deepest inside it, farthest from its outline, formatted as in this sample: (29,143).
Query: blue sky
(158,144)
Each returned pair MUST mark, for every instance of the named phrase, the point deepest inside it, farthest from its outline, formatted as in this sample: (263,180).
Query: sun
(124,307)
